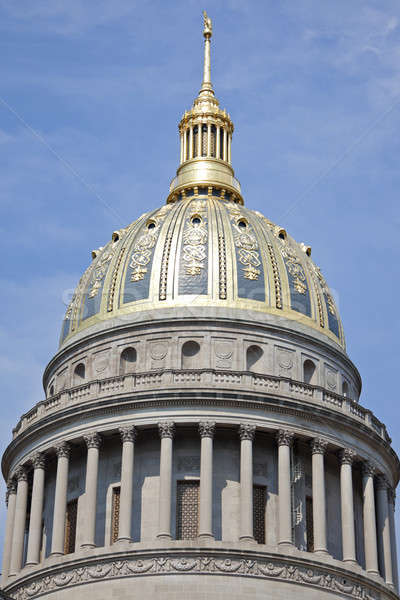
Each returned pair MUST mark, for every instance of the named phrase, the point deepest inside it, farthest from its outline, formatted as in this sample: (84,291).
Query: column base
(286,544)
(88,546)
(350,561)
(247,538)
(206,537)
(164,536)
(373,572)
(55,554)
(31,563)
(321,552)
(123,540)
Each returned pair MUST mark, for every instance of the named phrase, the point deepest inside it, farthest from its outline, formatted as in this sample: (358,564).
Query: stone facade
(208,447)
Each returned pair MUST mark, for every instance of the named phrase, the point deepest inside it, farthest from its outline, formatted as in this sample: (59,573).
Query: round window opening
(151,225)
(242,224)
(282,236)
(196,221)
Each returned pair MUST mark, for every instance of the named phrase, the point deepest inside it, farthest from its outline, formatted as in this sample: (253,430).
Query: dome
(203,249)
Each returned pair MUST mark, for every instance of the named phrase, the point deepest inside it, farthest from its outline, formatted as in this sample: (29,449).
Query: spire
(206,136)
(207,33)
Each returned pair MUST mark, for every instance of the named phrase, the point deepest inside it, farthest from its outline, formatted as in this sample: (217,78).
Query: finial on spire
(207,25)
(207,32)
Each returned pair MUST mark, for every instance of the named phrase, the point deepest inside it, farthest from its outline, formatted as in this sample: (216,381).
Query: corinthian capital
(11,488)
(382,482)
(128,433)
(368,468)
(247,431)
(38,460)
(21,474)
(347,456)
(166,429)
(207,429)
(63,450)
(284,437)
(92,440)
(318,446)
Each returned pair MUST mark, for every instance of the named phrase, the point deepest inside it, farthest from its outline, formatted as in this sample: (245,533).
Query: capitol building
(201,434)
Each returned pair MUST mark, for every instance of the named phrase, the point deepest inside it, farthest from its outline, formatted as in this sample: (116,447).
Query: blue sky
(90,97)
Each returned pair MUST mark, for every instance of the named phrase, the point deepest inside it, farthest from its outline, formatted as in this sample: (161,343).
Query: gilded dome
(203,248)
(206,250)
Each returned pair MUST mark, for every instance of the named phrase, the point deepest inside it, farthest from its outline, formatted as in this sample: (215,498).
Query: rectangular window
(309,524)
(187,510)
(116,496)
(259,503)
(70,526)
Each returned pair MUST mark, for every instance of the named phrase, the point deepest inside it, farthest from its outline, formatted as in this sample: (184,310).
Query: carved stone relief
(285,361)
(158,353)
(101,361)
(223,353)
(331,378)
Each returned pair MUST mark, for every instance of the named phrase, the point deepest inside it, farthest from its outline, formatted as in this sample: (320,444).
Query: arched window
(309,371)
(79,373)
(195,140)
(204,140)
(345,388)
(254,355)
(190,352)
(213,140)
(127,361)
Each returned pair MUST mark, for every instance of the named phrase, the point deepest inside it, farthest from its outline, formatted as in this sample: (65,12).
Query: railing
(203,379)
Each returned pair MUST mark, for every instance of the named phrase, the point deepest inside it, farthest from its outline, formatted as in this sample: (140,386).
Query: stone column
(206,430)
(128,437)
(11,497)
(183,139)
(385,550)
(370,540)
(36,516)
(17,549)
(209,139)
(60,500)
(191,143)
(93,442)
(246,432)
(229,148)
(217,142)
(318,449)
(285,441)
(199,139)
(392,501)
(346,457)
(167,431)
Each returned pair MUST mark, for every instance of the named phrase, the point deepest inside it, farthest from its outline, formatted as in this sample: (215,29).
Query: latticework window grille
(70,526)
(187,510)
(309,524)
(259,501)
(116,496)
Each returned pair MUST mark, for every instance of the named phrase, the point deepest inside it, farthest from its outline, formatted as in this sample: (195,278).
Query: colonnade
(378,548)
(192,146)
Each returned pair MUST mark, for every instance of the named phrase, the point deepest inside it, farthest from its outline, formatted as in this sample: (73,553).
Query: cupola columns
(205,139)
